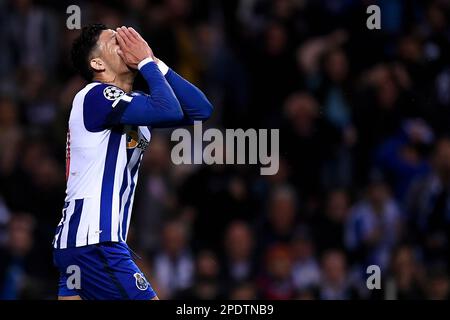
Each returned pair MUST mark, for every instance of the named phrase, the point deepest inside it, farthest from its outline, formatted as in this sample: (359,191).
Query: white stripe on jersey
(83,226)
(65,227)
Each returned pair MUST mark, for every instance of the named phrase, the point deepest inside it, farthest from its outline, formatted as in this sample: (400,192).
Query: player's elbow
(172,108)
(176,113)
(205,111)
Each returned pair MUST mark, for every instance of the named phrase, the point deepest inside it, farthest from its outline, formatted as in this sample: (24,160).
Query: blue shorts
(106,272)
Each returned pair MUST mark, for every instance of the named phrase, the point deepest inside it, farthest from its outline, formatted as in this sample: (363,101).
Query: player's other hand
(133,48)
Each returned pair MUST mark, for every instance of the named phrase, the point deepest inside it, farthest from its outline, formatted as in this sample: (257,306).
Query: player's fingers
(123,31)
(127,34)
(119,36)
(120,40)
(135,33)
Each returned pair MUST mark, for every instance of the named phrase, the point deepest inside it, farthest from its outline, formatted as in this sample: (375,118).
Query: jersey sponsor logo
(112,93)
(143,144)
(141,282)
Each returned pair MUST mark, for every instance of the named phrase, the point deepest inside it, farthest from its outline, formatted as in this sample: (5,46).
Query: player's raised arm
(161,106)
(194,103)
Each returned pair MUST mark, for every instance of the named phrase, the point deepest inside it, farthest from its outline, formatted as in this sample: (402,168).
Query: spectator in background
(224,76)
(275,282)
(334,283)
(31,33)
(264,185)
(428,205)
(438,284)
(405,282)
(37,97)
(330,225)
(380,105)
(305,270)
(441,95)
(22,273)
(436,49)
(305,129)
(403,157)
(11,135)
(243,291)
(239,261)
(334,94)
(275,46)
(374,226)
(174,265)
(206,284)
(4,218)
(281,219)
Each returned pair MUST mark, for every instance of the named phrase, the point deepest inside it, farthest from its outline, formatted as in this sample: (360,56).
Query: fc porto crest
(135,139)
(112,93)
(132,139)
(141,282)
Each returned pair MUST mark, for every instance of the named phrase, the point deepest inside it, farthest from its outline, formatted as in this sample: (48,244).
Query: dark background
(364,118)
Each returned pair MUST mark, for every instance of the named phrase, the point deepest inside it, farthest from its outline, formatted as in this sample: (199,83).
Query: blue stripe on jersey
(74,222)
(61,227)
(108,185)
(127,204)
(122,191)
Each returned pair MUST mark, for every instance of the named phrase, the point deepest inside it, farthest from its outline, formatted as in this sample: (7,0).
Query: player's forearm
(194,103)
(159,89)
(160,107)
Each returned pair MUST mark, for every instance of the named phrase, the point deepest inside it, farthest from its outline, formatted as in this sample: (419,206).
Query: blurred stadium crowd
(364,118)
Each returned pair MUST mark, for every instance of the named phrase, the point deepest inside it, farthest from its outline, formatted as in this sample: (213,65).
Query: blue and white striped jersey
(104,150)
(101,169)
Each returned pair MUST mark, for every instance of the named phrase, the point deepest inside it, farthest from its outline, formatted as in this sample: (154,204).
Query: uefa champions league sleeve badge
(112,93)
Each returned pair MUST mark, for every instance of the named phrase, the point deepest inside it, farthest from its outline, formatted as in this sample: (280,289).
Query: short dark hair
(82,48)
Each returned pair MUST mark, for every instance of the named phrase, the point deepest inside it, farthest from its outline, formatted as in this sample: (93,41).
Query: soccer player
(109,130)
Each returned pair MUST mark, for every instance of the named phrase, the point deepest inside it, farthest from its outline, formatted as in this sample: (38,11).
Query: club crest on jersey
(141,282)
(133,141)
(112,93)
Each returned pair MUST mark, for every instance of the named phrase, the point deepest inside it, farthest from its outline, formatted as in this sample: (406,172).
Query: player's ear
(97,64)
